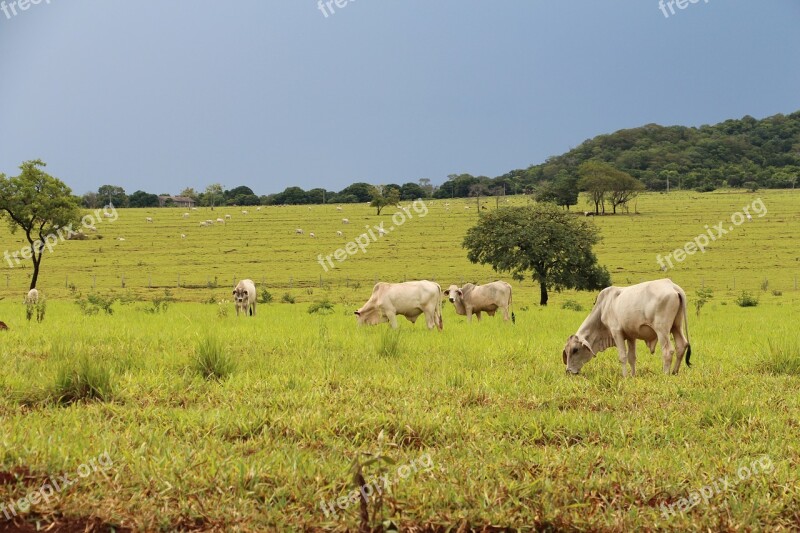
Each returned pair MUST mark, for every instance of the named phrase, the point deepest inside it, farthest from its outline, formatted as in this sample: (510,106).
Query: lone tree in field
(554,246)
(383,196)
(40,205)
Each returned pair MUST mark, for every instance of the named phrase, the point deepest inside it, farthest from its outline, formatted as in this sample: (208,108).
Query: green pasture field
(481,423)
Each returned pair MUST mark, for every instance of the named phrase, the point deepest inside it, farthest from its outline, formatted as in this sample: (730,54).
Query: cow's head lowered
(370,315)
(577,353)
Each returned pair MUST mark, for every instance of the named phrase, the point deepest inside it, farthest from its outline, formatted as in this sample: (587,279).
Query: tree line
(611,169)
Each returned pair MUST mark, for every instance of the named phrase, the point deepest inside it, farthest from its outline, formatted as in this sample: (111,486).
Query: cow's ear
(244,293)
(447,292)
(588,347)
(564,356)
(460,292)
(234,292)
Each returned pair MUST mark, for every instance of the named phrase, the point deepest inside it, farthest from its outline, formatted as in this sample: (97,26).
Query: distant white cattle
(227,217)
(183,235)
(339,234)
(382,232)
(244,212)
(186,215)
(121,238)
(338,208)
(244,296)
(220,221)
(298,231)
(258,208)
(149,219)
(345,221)
(475,299)
(312,235)
(194,209)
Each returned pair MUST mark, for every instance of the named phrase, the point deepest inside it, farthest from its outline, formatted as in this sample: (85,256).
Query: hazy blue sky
(267,93)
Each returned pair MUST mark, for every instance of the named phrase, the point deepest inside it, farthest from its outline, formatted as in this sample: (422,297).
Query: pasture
(507,438)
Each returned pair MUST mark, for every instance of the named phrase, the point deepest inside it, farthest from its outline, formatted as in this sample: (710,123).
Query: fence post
(179,281)
(734,282)
(320,281)
(291,282)
(94,282)
(123,281)
(8,280)
(66,281)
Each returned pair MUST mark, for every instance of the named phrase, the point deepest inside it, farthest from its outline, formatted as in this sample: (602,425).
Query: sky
(160,96)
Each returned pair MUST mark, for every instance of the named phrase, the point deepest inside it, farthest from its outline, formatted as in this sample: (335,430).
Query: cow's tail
(438,312)
(511,306)
(685,305)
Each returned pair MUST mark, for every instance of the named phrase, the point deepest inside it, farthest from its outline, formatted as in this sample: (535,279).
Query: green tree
(383,196)
(623,189)
(143,199)
(412,191)
(111,194)
(551,245)
(361,191)
(596,181)
(39,205)
(213,195)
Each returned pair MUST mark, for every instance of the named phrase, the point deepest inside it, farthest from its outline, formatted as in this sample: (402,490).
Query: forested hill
(732,153)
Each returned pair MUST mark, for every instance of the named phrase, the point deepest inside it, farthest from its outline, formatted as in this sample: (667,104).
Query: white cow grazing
(149,219)
(194,209)
(476,299)
(258,208)
(298,231)
(183,235)
(410,299)
(220,221)
(648,311)
(339,234)
(227,217)
(338,208)
(244,296)
(121,239)
(381,232)
(186,215)
(345,221)
(32,298)
(244,212)
(312,235)
(203,224)
(107,215)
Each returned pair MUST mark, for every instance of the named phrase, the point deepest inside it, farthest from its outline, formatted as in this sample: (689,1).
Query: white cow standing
(32,298)
(244,296)
(476,299)
(648,311)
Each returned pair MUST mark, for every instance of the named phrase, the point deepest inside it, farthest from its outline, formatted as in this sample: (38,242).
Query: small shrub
(83,379)
(94,303)
(211,300)
(223,308)
(765,285)
(264,297)
(572,305)
(310,291)
(703,296)
(211,361)
(776,292)
(746,300)
(389,343)
(160,304)
(324,307)
(287,298)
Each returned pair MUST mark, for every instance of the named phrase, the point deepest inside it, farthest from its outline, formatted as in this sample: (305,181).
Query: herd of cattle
(649,311)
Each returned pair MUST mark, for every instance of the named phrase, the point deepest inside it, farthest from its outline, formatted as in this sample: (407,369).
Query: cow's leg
(478,314)
(619,340)
(392,319)
(681,344)
(632,355)
(505,313)
(469,314)
(666,351)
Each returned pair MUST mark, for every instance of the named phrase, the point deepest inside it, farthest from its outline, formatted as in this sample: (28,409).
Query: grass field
(483,427)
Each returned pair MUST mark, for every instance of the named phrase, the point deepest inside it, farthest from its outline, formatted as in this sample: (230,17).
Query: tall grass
(83,379)
(212,361)
(781,358)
